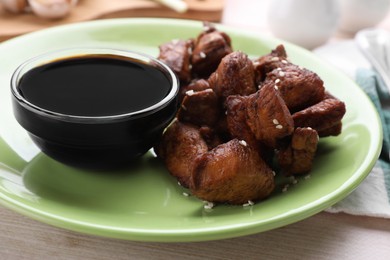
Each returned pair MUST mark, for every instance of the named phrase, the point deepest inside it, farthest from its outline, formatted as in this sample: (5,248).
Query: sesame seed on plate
(281,74)
(273,173)
(284,61)
(186,194)
(275,121)
(202,54)
(249,203)
(279,69)
(285,188)
(277,81)
(279,127)
(307,176)
(208,205)
(276,87)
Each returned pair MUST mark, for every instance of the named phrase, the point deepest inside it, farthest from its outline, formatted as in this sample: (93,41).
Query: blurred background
(308,23)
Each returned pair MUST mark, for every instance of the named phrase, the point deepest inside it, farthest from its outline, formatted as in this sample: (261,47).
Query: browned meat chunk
(196,85)
(232,173)
(322,116)
(268,116)
(210,47)
(177,55)
(299,87)
(276,59)
(179,147)
(331,131)
(200,108)
(237,119)
(210,136)
(297,158)
(234,76)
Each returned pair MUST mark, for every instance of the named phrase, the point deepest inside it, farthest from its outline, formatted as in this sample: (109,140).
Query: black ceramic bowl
(94,141)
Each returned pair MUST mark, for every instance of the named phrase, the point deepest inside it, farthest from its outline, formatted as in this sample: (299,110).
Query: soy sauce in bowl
(94,85)
(94,107)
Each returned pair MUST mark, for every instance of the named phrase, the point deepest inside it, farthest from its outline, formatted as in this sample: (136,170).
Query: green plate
(145,203)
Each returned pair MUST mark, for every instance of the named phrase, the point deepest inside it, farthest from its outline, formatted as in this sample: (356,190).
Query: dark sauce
(94,85)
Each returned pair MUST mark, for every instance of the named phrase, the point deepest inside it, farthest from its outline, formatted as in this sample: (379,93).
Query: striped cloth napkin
(372,197)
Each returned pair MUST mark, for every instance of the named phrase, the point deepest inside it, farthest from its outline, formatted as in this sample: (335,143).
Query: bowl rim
(79,52)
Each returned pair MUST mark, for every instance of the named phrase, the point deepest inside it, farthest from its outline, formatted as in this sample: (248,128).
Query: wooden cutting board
(12,25)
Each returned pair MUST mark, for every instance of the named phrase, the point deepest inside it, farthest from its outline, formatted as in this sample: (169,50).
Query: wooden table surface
(323,236)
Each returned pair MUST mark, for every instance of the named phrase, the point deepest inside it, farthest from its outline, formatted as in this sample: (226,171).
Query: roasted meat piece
(234,76)
(299,87)
(200,108)
(196,85)
(264,64)
(236,119)
(180,145)
(268,116)
(210,47)
(177,55)
(232,173)
(298,156)
(210,136)
(325,117)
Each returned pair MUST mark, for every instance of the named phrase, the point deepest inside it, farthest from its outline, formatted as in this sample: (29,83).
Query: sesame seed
(256,63)
(293,180)
(281,73)
(277,81)
(190,66)
(284,61)
(259,86)
(190,92)
(226,112)
(309,128)
(279,127)
(276,87)
(285,188)
(189,50)
(249,203)
(243,143)
(300,67)
(208,205)
(273,173)
(202,55)
(175,41)
(275,59)
(275,121)
(186,194)
(183,107)
(178,183)
(307,176)
(209,90)
(279,69)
